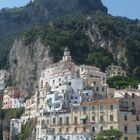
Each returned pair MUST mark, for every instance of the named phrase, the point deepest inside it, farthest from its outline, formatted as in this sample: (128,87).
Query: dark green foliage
(15,20)
(1,131)
(136,73)
(111,134)
(122,82)
(7,114)
(70,31)
(122,31)
(27,129)
(5,46)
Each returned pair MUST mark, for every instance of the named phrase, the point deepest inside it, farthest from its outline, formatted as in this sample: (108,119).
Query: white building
(4,75)
(63,85)
(15,128)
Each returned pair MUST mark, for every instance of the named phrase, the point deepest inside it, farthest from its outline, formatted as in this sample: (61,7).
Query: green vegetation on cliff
(84,30)
(73,30)
(7,114)
(27,129)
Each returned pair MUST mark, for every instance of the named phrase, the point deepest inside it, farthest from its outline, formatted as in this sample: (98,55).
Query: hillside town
(75,103)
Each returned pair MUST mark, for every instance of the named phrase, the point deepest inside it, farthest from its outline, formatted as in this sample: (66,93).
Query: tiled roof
(101,102)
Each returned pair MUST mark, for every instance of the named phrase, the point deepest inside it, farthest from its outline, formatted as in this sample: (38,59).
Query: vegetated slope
(15,20)
(97,39)
(94,38)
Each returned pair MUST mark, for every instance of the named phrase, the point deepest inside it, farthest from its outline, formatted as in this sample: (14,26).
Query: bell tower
(67,56)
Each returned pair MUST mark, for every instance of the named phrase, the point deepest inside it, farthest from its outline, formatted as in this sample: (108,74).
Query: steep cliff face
(27,62)
(117,50)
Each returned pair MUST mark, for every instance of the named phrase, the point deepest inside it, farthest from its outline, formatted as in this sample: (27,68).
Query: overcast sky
(128,8)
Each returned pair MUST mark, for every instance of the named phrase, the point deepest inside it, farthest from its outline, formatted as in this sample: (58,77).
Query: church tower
(67,56)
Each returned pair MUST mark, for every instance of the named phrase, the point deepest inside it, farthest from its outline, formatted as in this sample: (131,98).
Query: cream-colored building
(85,121)
(81,122)
(114,70)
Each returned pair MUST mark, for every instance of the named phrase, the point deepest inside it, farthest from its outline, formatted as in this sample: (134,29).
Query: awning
(83,117)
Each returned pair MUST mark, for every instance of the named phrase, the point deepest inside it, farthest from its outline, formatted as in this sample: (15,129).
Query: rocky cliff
(27,62)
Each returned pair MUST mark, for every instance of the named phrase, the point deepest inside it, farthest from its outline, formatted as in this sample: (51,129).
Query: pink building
(11,98)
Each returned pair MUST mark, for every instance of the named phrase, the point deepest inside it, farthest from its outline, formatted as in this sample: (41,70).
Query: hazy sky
(128,8)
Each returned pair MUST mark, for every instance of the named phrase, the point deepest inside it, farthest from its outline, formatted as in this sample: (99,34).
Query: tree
(111,134)
(1,131)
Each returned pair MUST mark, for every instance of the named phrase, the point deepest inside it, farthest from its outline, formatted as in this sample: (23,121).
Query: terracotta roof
(101,102)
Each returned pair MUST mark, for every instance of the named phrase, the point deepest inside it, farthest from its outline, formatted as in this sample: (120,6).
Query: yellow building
(85,121)
(81,121)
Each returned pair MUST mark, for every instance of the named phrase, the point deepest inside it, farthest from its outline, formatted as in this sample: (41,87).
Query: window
(93,129)
(60,120)
(84,129)
(93,108)
(137,118)
(101,128)
(103,89)
(133,95)
(60,130)
(101,118)
(111,127)
(75,129)
(67,129)
(53,131)
(125,117)
(69,83)
(133,104)
(93,118)
(67,120)
(84,109)
(48,121)
(126,95)
(75,120)
(138,129)
(61,137)
(97,88)
(125,128)
(111,118)
(54,120)
(101,107)
(125,138)
(41,83)
(111,107)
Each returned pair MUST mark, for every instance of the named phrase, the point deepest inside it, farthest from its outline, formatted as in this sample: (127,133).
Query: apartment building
(114,70)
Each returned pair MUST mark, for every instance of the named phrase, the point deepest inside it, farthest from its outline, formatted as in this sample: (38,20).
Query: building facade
(114,70)
(11,98)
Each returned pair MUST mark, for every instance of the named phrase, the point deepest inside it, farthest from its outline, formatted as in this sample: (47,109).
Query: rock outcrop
(27,62)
